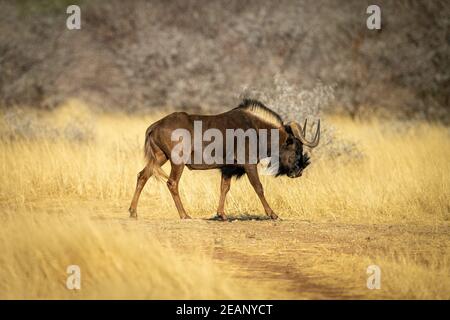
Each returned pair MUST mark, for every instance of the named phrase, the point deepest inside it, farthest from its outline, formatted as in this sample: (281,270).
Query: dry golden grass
(65,202)
(115,262)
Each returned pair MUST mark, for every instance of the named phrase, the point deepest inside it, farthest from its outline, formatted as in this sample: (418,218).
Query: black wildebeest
(250,114)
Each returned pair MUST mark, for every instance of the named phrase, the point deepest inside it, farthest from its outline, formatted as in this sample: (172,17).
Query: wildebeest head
(292,158)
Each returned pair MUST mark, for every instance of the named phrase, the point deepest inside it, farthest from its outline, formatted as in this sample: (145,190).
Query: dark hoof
(222,217)
(273,216)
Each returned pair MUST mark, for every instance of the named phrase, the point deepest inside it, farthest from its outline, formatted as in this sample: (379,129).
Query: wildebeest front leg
(224,188)
(252,174)
(172,183)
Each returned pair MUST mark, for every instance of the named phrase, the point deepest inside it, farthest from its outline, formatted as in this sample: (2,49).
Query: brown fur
(261,111)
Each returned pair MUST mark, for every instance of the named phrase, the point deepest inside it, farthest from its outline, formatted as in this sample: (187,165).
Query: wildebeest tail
(152,164)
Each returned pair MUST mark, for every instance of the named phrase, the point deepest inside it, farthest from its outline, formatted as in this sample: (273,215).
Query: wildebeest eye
(289,141)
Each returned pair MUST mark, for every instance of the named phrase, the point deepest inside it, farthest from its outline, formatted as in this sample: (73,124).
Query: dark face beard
(282,170)
(306,161)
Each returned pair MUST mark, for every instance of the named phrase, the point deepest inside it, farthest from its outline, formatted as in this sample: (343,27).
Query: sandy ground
(298,259)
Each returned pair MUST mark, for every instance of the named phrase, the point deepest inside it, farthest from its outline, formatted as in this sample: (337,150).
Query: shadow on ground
(240,217)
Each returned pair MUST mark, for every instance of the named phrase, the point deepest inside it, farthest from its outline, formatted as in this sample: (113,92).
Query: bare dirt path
(294,258)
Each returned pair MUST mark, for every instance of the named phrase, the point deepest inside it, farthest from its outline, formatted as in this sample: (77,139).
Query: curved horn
(300,133)
(304,127)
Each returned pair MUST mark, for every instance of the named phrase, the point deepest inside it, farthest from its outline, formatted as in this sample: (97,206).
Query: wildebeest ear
(288,129)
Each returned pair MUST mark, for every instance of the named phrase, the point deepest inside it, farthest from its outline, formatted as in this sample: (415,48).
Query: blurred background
(138,55)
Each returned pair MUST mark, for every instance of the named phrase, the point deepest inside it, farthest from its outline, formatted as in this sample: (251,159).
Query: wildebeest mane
(258,109)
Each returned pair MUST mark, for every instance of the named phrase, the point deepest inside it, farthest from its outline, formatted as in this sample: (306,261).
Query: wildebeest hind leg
(172,184)
(142,178)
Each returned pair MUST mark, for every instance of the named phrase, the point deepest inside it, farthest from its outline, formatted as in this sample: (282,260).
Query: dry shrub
(295,104)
